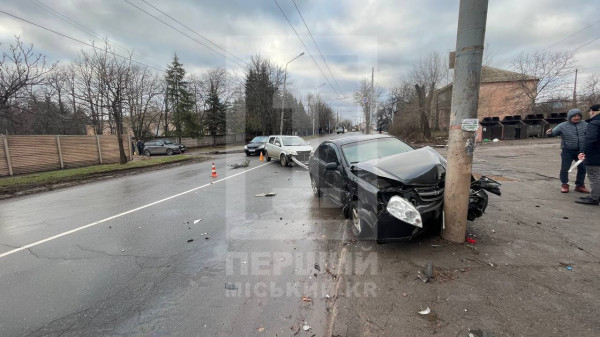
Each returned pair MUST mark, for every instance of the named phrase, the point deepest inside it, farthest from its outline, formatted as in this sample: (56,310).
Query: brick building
(499,96)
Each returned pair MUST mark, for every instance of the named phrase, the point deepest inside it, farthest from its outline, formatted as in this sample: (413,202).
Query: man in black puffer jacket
(572,134)
(591,154)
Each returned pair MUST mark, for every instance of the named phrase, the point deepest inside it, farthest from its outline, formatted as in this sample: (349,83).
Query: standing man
(591,154)
(572,134)
(140,146)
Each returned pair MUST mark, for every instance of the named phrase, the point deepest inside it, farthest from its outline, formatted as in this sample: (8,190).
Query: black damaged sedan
(388,189)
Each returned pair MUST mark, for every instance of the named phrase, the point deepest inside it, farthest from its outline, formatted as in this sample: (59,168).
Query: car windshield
(374,148)
(293,141)
(259,139)
(167,142)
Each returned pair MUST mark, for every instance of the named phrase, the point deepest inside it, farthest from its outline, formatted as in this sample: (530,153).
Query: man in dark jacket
(591,154)
(572,134)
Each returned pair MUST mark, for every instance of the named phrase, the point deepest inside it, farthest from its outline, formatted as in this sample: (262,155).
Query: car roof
(357,138)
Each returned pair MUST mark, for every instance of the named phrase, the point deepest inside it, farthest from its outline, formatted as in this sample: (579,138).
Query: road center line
(124,213)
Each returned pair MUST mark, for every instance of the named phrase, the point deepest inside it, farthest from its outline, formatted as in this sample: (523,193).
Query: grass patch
(68,175)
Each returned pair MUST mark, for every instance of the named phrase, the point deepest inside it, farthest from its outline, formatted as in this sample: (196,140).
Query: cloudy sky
(353,36)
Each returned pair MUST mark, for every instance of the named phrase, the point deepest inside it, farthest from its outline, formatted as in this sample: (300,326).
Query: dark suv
(162,146)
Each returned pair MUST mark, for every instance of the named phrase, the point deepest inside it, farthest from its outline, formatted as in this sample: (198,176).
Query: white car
(285,148)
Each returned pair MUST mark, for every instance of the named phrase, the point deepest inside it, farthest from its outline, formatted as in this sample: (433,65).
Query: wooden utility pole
(463,116)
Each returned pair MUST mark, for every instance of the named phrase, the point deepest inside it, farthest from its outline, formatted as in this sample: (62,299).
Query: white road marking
(123,213)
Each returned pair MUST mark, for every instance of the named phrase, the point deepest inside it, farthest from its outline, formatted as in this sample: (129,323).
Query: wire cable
(191,38)
(85,43)
(79,26)
(191,30)
(307,50)
(570,36)
(315,42)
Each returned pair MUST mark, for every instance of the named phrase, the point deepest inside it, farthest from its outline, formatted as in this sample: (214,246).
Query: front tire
(315,187)
(147,153)
(267,155)
(283,160)
(359,228)
(169,152)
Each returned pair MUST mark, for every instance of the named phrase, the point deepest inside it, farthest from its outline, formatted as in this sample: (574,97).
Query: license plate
(251,150)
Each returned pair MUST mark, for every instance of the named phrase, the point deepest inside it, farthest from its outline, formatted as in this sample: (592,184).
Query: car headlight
(402,209)
(261,147)
(245,147)
(293,153)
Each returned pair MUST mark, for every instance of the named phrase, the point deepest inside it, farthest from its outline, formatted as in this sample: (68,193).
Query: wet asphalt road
(135,271)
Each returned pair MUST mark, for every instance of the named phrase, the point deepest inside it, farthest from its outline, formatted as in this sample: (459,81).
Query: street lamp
(313,114)
(283,98)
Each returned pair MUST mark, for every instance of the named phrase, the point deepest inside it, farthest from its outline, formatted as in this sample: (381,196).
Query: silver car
(288,148)
(162,146)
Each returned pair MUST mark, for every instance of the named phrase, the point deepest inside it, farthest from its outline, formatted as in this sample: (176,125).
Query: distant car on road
(340,130)
(256,145)
(285,148)
(388,189)
(162,146)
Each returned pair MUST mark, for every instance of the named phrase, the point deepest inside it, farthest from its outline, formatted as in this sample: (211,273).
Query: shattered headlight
(293,153)
(402,209)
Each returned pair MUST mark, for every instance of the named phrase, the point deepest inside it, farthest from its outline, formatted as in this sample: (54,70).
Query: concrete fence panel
(30,154)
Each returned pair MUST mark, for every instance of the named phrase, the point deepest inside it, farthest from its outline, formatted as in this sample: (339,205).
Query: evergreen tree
(179,102)
(216,113)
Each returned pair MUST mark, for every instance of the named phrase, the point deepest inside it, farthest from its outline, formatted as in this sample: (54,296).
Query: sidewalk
(533,271)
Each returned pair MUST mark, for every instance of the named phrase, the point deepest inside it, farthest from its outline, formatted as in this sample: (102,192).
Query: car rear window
(259,139)
(293,141)
(374,148)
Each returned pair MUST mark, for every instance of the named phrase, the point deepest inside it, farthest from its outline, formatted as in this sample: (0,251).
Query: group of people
(580,140)
(139,146)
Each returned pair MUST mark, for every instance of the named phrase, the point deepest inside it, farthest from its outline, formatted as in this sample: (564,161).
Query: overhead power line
(319,49)
(585,44)
(79,26)
(307,50)
(191,38)
(191,30)
(85,43)
(570,36)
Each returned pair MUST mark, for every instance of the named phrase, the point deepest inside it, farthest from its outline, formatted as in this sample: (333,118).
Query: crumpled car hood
(419,167)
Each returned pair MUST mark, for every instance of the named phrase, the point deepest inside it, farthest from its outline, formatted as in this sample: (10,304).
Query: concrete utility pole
(371,99)
(283,98)
(575,91)
(463,116)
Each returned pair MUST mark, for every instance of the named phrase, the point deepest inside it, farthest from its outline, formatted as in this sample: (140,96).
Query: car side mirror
(331,166)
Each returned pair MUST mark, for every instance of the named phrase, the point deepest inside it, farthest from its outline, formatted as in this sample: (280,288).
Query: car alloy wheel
(357,229)
(147,153)
(283,160)
(267,155)
(315,187)
(169,152)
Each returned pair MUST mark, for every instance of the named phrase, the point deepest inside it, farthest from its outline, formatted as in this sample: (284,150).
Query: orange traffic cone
(261,157)
(214,171)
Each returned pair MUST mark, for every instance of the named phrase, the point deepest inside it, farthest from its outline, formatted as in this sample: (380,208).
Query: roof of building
(491,75)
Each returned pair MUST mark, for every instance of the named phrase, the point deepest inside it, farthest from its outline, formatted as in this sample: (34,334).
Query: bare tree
(20,70)
(367,98)
(429,74)
(591,90)
(114,75)
(551,70)
(144,99)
